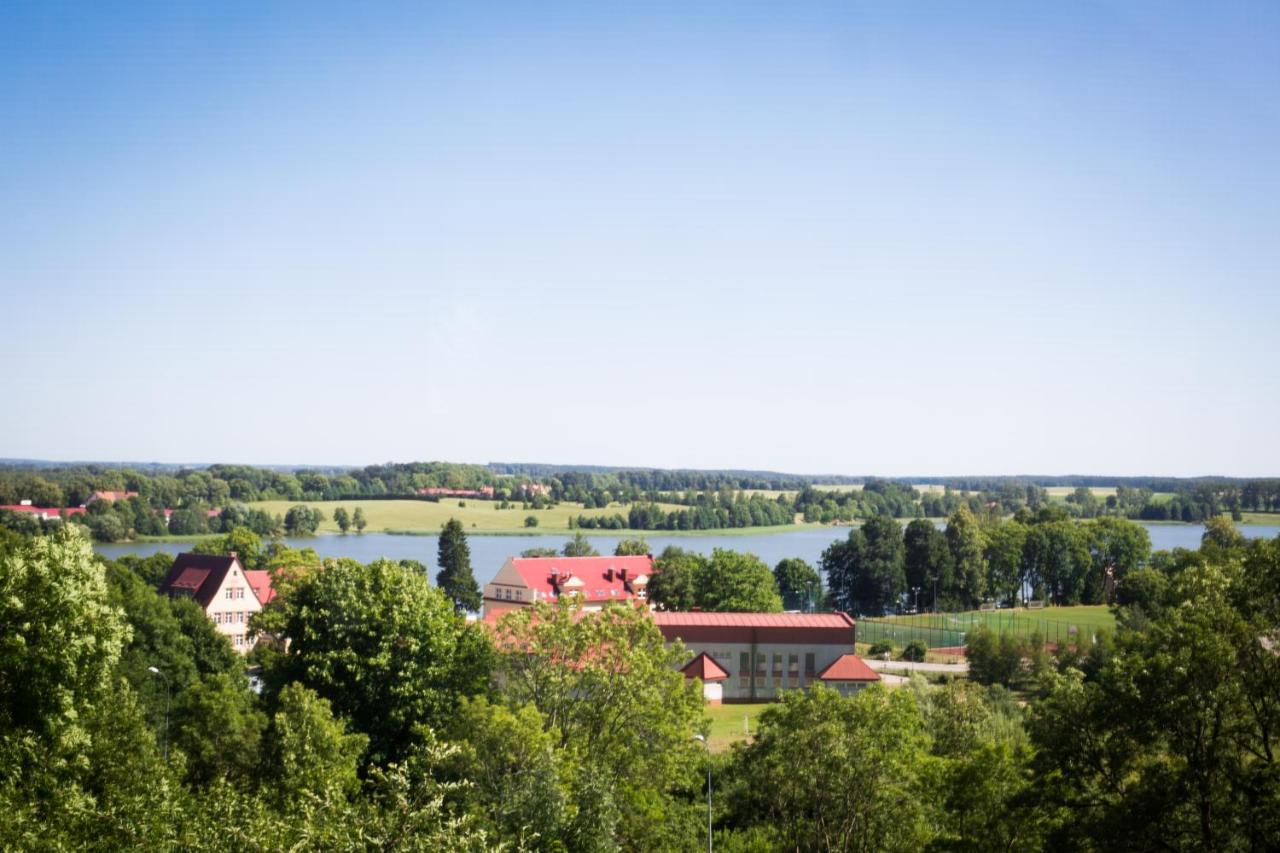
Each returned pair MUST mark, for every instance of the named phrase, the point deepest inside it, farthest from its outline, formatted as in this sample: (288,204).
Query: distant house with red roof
(593,580)
(483,493)
(45,513)
(761,654)
(227,592)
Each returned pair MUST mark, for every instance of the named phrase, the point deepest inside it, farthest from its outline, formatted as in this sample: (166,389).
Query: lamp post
(154,671)
(915,607)
(701,739)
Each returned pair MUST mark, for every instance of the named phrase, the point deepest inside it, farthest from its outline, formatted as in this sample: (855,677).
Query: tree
(1058,560)
(799,584)
(926,560)
(342,518)
(580,546)
(631,548)
(358,520)
(865,572)
(309,755)
(1005,542)
(964,541)
(829,773)
(540,552)
(675,581)
(302,520)
(385,648)
(607,687)
(455,578)
(219,729)
(737,582)
(241,541)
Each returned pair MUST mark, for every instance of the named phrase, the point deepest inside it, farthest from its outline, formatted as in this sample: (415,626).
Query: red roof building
(848,674)
(710,674)
(593,580)
(761,654)
(45,513)
(227,593)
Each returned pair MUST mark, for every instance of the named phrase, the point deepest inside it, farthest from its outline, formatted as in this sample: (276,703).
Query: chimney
(608,573)
(233,555)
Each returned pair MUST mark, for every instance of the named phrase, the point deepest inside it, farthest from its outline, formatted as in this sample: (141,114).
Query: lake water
(489,552)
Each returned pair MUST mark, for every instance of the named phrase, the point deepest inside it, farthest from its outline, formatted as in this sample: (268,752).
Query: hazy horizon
(918,239)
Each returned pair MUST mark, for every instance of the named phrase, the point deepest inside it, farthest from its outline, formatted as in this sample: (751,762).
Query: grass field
(727,725)
(405,516)
(940,630)
(1260,518)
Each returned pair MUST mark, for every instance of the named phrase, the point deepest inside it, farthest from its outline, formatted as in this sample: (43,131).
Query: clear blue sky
(894,238)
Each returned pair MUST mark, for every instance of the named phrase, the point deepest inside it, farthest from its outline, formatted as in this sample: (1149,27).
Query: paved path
(908,666)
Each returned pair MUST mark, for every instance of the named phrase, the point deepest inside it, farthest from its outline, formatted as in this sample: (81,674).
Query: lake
(489,552)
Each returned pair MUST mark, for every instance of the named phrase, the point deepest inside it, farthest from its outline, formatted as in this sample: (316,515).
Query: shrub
(880,648)
(915,651)
(531,521)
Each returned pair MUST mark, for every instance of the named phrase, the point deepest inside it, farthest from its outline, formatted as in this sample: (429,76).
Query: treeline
(883,568)
(714,511)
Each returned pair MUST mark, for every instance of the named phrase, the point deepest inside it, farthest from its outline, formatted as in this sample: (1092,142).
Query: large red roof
(594,578)
(849,668)
(48,511)
(828,629)
(260,581)
(705,668)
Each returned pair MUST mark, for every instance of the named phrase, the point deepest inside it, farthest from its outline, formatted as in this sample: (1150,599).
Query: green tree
(607,687)
(384,647)
(530,521)
(799,584)
(965,542)
(675,581)
(926,563)
(219,729)
(241,541)
(631,548)
(309,755)
(737,582)
(580,546)
(302,520)
(829,773)
(1004,543)
(358,520)
(455,578)
(342,518)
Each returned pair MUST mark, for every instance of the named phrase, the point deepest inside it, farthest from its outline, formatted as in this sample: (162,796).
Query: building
(848,674)
(711,674)
(44,513)
(762,653)
(224,589)
(482,493)
(594,580)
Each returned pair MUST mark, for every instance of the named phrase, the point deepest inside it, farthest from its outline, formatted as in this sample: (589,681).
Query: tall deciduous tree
(384,647)
(342,518)
(455,578)
(580,546)
(358,520)
(736,582)
(799,584)
(964,540)
(674,585)
(631,548)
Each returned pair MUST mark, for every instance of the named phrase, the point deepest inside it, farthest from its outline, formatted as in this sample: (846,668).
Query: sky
(857,238)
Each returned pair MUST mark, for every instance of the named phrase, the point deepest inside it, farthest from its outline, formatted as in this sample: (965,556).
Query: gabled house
(224,589)
(593,580)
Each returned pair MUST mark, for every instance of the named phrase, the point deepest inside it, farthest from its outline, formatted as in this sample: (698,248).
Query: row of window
(785,671)
(234,618)
(234,592)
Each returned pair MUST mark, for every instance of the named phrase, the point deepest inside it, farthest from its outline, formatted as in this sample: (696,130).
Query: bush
(915,651)
(531,521)
(880,648)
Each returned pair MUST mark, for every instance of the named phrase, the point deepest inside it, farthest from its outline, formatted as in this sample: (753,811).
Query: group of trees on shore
(387,721)
(882,567)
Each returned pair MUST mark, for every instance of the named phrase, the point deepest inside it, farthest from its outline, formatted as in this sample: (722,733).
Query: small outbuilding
(848,674)
(711,673)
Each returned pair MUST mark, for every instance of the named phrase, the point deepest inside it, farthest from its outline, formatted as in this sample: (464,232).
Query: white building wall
(746,683)
(231,608)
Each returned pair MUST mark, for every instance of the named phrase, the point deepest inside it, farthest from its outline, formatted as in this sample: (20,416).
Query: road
(908,666)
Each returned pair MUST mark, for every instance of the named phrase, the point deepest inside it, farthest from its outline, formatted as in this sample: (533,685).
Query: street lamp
(915,608)
(701,739)
(154,671)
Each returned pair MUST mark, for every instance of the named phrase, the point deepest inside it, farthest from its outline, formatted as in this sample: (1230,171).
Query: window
(777,667)
(793,670)
(744,669)
(809,668)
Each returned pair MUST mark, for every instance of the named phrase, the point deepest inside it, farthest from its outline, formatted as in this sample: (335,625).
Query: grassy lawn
(406,516)
(1054,624)
(727,724)
(1260,518)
